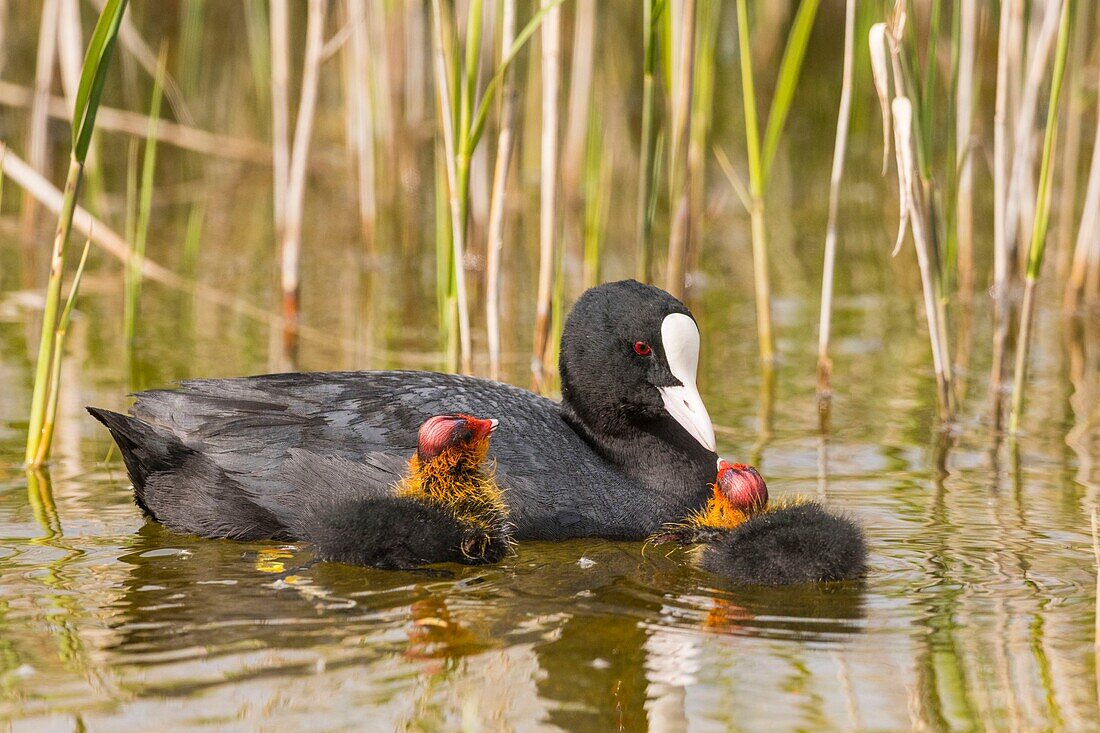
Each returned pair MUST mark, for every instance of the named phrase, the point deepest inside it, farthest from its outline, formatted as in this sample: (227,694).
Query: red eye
(641,348)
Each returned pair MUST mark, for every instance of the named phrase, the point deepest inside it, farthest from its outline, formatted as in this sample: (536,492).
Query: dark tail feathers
(145,450)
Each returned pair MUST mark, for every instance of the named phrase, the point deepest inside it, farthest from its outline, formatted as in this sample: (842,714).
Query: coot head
(629,354)
(454,433)
(741,486)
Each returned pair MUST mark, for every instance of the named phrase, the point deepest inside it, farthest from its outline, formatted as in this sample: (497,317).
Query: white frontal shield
(680,338)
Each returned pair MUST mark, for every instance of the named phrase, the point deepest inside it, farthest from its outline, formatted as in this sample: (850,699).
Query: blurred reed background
(534,149)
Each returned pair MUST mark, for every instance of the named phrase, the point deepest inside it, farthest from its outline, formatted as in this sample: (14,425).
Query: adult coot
(629,448)
(751,542)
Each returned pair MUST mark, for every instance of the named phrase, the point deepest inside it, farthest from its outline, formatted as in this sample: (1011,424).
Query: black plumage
(802,543)
(608,461)
(393,533)
(352,517)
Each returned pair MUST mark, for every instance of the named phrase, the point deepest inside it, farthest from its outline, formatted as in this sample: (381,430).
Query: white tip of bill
(680,338)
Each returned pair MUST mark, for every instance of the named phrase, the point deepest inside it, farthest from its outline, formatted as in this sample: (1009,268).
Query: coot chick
(446,508)
(629,448)
(751,542)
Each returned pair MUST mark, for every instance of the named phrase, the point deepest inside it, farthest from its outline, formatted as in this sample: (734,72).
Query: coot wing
(319,478)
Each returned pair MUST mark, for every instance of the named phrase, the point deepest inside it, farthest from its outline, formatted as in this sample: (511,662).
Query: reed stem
(360,115)
(1001,252)
(1087,248)
(597,197)
(644,259)
(1021,185)
(548,158)
(1042,215)
(291,243)
(280,110)
(140,234)
(50,421)
(189,55)
(580,94)
(910,188)
(37,149)
(964,101)
(49,314)
(1071,147)
(756,191)
(457,169)
(680,163)
(839,148)
(495,246)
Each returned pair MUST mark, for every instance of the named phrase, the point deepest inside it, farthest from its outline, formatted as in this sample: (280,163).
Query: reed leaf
(790,68)
(880,65)
(89,94)
(479,118)
(94,75)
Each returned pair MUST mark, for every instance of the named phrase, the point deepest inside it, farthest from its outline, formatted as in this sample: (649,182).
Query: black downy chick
(446,508)
(743,538)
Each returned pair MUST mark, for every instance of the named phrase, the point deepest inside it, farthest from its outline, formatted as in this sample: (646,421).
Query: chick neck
(454,481)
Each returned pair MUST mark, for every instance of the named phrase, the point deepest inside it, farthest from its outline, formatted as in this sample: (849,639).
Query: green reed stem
(651,12)
(192,239)
(761,156)
(89,94)
(189,56)
(447,74)
(931,64)
(1042,216)
(444,297)
(756,191)
(597,196)
(462,126)
(55,368)
(495,234)
(257,29)
(145,204)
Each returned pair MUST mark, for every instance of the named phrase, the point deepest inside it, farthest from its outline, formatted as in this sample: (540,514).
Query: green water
(978,611)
